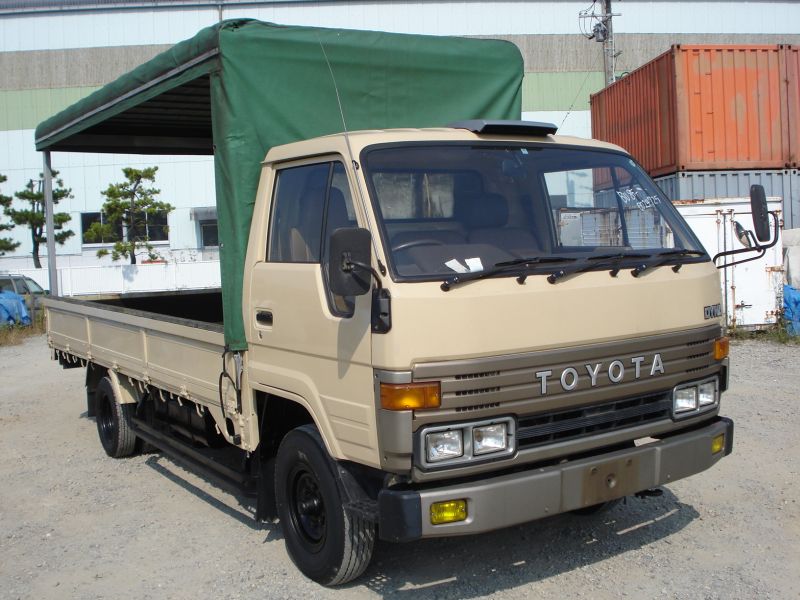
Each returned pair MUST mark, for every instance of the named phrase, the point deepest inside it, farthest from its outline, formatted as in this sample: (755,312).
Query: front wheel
(328,544)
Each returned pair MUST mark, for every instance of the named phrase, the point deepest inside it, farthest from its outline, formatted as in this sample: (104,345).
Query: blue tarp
(12,310)
(791,309)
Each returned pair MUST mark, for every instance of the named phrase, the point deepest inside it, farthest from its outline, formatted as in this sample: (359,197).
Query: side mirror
(759,242)
(742,235)
(758,206)
(349,258)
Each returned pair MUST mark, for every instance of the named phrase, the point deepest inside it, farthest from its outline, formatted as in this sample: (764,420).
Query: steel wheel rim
(307,508)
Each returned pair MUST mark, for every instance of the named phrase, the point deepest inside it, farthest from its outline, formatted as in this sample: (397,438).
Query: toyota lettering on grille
(616,369)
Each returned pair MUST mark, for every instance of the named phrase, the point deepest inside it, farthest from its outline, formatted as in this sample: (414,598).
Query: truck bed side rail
(176,355)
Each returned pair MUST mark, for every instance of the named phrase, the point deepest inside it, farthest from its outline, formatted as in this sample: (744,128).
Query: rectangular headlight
(442,445)
(461,444)
(685,399)
(489,438)
(707,393)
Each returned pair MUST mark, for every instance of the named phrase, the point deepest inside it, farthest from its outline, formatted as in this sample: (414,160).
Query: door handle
(264,317)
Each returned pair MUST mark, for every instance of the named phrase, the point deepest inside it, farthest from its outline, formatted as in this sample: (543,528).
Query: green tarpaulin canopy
(242,86)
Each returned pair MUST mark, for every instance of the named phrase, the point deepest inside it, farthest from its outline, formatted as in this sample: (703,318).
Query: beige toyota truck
(450,331)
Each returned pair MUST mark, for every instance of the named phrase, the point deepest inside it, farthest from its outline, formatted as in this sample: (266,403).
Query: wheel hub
(308,508)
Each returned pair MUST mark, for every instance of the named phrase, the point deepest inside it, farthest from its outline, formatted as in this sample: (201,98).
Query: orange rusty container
(700,108)
(790,67)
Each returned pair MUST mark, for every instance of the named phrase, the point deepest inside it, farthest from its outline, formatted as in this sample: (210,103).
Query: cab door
(305,343)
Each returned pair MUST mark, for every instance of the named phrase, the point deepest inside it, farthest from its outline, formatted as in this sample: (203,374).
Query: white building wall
(573,122)
(167,26)
(184,181)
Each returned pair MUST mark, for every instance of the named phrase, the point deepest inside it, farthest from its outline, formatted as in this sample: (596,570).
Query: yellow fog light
(448,512)
(721,348)
(718,444)
(410,396)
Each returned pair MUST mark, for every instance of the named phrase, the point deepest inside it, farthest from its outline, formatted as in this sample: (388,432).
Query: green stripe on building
(560,91)
(25,109)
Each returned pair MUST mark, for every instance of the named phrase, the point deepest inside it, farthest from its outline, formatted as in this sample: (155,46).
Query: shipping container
(698,185)
(752,292)
(701,108)
(790,67)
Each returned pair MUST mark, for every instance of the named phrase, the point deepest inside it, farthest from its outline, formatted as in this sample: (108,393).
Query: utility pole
(595,24)
(49,225)
(609,54)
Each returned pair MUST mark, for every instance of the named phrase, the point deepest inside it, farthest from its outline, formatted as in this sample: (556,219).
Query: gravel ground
(76,524)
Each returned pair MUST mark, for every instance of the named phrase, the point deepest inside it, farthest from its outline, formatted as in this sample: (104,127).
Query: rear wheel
(114,421)
(328,544)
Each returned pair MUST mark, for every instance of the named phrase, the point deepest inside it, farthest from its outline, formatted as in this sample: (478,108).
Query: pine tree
(127,206)
(34,217)
(6,244)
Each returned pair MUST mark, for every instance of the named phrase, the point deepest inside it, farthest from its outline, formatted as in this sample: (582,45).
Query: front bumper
(506,500)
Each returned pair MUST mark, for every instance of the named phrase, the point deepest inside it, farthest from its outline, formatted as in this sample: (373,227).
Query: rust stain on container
(704,108)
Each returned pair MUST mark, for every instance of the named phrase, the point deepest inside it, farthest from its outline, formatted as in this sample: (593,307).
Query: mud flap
(266,506)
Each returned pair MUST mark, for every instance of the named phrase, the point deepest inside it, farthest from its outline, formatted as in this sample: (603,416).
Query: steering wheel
(419,242)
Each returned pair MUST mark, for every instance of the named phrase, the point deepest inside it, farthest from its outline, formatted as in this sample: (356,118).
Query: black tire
(328,544)
(114,421)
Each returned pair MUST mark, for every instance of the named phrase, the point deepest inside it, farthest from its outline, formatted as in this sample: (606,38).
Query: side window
(33,287)
(6,285)
(338,213)
(310,203)
(296,230)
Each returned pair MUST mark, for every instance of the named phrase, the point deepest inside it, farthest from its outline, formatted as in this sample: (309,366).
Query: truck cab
(504,323)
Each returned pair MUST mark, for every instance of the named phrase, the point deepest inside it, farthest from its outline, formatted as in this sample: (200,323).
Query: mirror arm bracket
(381,299)
(381,310)
(762,250)
(348,265)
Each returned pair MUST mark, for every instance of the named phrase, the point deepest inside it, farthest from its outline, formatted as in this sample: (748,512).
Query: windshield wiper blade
(535,260)
(504,267)
(597,262)
(663,258)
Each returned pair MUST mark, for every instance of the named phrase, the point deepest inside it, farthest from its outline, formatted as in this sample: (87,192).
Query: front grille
(575,423)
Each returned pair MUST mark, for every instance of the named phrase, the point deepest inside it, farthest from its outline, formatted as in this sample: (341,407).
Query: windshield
(448,208)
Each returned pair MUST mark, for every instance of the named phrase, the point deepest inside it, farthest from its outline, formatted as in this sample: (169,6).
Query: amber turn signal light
(721,348)
(410,396)
(450,511)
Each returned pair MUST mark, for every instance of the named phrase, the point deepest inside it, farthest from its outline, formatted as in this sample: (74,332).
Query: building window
(95,229)
(155,226)
(209,234)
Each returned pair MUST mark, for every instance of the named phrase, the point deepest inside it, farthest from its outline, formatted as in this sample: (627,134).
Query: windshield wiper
(504,267)
(597,262)
(665,257)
